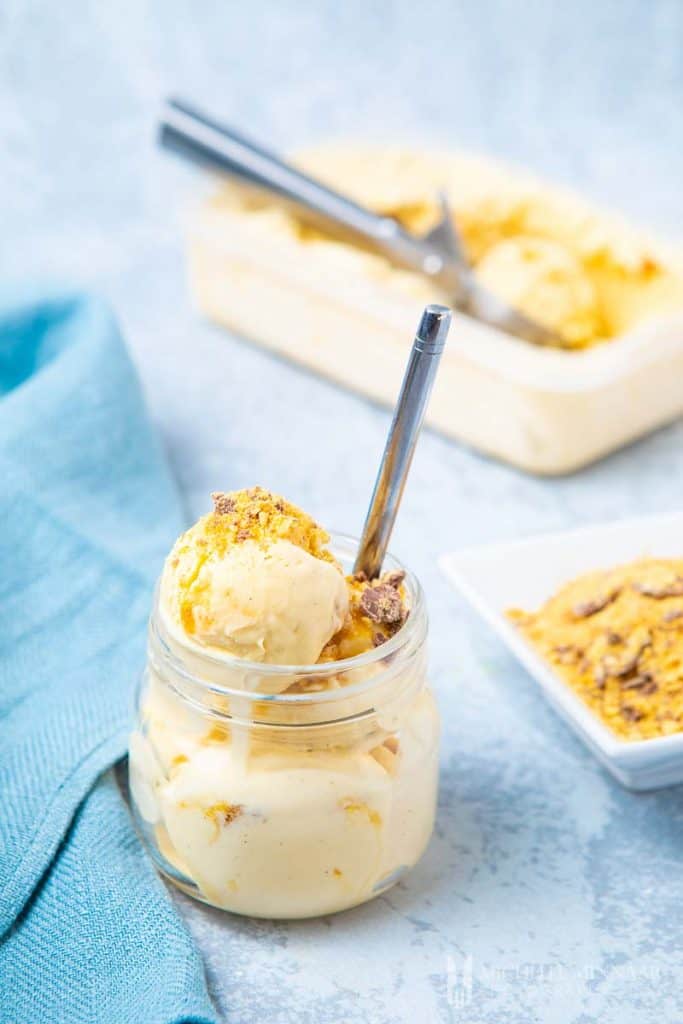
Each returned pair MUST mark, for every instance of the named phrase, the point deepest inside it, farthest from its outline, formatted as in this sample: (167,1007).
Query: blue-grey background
(548,893)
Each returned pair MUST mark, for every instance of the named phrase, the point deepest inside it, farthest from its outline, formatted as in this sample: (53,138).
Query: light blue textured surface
(558,892)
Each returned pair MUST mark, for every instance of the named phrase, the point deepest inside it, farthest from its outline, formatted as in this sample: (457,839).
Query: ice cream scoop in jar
(284,760)
(280,790)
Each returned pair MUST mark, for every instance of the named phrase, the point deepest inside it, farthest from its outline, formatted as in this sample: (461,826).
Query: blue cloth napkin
(87,511)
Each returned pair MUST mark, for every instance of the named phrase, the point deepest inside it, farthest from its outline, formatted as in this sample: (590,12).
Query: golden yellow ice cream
(254,580)
(583,271)
(274,792)
(547,282)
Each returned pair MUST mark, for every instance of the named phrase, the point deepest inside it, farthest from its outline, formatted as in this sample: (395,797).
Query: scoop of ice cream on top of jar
(254,579)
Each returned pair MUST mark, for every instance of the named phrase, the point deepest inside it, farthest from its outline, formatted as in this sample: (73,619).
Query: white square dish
(524,574)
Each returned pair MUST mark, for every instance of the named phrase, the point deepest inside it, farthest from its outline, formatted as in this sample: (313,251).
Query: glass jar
(286,804)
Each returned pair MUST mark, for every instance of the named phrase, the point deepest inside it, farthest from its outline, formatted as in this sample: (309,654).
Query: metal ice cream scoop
(406,424)
(438,255)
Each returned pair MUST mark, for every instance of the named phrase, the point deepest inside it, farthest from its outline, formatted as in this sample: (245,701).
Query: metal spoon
(438,255)
(402,438)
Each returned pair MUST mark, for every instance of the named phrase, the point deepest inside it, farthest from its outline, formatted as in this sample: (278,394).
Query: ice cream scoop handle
(403,434)
(194,134)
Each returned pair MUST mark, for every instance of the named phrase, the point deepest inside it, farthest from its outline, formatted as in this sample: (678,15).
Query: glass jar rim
(414,629)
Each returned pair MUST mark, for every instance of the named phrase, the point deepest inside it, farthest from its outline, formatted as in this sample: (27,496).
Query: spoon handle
(403,434)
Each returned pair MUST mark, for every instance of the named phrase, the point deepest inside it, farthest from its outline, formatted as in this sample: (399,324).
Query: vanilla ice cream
(585,271)
(254,580)
(291,833)
(614,291)
(316,789)
(547,282)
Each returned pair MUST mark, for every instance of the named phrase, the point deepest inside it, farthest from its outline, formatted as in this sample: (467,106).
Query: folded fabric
(87,510)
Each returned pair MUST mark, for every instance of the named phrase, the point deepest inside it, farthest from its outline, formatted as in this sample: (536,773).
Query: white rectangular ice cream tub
(347,315)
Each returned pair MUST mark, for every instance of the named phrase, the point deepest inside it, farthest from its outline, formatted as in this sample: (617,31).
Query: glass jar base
(190,888)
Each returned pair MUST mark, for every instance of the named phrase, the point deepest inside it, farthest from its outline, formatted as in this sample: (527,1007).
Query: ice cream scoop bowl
(294,802)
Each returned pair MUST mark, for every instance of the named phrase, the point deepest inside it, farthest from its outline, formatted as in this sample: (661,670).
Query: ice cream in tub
(614,294)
